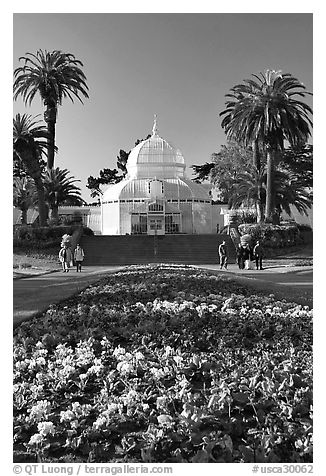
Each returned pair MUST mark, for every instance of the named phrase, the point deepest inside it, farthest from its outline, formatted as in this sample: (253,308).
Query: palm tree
(289,190)
(265,112)
(60,189)
(250,190)
(54,76)
(24,195)
(29,142)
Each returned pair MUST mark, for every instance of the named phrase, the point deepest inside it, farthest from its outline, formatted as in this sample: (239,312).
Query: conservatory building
(156,197)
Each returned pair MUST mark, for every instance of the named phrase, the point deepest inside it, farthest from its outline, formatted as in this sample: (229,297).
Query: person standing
(223,254)
(240,259)
(79,257)
(65,257)
(258,255)
(246,255)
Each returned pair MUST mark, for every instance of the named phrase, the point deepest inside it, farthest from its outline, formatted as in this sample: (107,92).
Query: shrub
(43,237)
(74,219)
(244,217)
(272,236)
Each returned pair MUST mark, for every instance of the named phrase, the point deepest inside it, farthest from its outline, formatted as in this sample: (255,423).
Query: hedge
(272,236)
(43,237)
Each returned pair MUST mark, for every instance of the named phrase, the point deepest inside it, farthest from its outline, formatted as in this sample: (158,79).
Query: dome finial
(154,131)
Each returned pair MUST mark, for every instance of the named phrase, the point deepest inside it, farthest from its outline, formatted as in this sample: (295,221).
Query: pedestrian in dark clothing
(258,255)
(223,254)
(240,259)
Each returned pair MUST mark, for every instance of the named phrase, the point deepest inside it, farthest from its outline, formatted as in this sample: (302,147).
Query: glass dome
(155,157)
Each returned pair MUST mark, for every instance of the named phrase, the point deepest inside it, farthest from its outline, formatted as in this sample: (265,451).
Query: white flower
(178,359)
(125,367)
(46,428)
(67,415)
(139,356)
(40,411)
(119,351)
(100,422)
(36,439)
(161,402)
(165,420)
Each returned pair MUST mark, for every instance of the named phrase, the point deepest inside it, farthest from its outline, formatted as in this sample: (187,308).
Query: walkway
(34,293)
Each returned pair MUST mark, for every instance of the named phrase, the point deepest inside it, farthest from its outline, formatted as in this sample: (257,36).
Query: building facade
(156,197)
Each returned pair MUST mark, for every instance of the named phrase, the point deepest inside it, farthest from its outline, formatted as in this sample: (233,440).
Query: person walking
(65,257)
(79,257)
(223,254)
(258,255)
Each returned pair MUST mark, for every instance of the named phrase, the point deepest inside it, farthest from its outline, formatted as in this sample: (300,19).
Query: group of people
(246,256)
(69,258)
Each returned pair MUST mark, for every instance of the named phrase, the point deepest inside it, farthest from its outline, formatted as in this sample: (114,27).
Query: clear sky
(177,65)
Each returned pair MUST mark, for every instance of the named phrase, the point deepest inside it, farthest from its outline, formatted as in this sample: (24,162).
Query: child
(79,257)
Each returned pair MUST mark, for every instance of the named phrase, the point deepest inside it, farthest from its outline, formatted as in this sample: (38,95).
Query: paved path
(35,293)
(292,283)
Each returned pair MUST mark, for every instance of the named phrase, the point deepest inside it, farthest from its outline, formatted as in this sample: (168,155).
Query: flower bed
(165,364)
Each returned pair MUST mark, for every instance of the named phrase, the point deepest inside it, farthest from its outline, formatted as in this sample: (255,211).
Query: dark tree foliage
(202,172)
(106,177)
(111,176)
(299,162)
(240,183)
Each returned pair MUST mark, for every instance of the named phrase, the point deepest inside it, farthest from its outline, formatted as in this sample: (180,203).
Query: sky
(176,65)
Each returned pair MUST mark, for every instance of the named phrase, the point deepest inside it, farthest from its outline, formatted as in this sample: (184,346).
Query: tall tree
(29,143)
(265,111)
(227,165)
(60,189)
(54,76)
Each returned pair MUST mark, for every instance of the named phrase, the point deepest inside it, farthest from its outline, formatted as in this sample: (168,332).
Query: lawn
(165,364)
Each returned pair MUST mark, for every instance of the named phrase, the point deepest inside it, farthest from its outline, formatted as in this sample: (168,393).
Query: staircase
(141,249)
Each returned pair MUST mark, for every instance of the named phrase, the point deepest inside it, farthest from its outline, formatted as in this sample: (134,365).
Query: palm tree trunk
(269,185)
(256,155)
(42,211)
(55,213)
(257,165)
(259,211)
(50,117)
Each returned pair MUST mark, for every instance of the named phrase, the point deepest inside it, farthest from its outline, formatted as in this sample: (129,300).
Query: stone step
(131,249)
